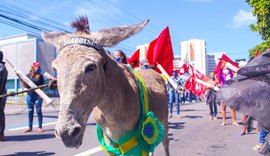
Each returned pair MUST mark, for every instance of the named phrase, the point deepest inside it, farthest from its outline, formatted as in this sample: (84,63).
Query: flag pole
(23,91)
(232,67)
(206,84)
(167,76)
(25,79)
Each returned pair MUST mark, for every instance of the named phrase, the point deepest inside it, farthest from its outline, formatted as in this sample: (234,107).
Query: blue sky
(222,23)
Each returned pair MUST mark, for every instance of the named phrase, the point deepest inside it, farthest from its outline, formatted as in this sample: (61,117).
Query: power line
(24,14)
(126,12)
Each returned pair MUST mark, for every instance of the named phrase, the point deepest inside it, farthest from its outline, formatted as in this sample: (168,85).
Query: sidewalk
(17,106)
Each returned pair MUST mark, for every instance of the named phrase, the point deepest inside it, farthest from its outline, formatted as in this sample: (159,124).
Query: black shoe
(2,138)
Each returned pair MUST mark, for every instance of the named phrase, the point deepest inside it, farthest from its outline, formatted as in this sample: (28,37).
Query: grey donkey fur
(90,81)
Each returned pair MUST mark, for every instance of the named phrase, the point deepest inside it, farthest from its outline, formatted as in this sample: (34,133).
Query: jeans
(188,96)
(263,134)
(2,115)
(31,101)
(213,109)
(174,98)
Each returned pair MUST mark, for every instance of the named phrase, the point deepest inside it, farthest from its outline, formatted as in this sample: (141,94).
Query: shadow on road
(192,116)
(187,110)
(29,137)
(192,110)
(216,146)
(39,153)
(50,116)
(91,124)
(227,117)
(176,125)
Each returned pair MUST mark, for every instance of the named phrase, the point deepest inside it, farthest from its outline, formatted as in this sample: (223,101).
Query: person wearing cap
(3,90)
(33,99)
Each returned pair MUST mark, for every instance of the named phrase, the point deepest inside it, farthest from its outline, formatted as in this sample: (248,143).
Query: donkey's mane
(81,25)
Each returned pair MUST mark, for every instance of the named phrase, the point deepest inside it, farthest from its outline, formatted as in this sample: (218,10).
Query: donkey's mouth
(72,137)
(72,142)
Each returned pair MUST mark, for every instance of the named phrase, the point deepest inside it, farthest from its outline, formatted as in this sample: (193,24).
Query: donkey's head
(81,68)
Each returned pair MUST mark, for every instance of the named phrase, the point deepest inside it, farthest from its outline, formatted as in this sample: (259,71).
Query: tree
(260,47)
(261,9)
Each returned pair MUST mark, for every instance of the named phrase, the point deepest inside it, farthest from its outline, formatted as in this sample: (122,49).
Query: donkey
(91,81)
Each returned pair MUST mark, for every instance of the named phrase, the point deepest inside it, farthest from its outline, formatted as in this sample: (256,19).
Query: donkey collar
(81,41)
(142,140)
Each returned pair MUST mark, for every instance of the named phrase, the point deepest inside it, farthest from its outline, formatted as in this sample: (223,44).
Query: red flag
(134,59)
(257,53)
(194,87)
(220,66)
(160,51)
(182,70)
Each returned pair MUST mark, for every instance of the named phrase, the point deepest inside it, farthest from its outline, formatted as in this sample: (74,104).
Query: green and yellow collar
(145,138)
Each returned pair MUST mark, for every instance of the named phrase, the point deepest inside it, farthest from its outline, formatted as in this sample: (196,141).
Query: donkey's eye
(90,68)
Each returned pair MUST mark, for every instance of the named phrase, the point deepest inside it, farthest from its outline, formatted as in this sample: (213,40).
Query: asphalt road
(192,135)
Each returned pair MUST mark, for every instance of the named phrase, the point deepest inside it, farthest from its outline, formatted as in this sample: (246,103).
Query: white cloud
(200,0)
(243,18)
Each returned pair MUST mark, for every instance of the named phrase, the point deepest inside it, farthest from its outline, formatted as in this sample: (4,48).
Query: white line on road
(89,152)
(20,128)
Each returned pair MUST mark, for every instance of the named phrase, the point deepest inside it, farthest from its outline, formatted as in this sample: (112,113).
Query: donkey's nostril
(76,131)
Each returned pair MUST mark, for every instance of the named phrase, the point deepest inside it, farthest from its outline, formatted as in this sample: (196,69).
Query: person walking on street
(174,94)
(226,74)
(33,99)
(3,90)
(211,98)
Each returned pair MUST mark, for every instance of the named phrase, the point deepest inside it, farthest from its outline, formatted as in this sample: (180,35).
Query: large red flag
(134,60)
(160,51)
(193,86)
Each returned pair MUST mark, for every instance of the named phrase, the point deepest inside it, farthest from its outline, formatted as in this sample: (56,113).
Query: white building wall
(194,52)
(143,50)
(22,52)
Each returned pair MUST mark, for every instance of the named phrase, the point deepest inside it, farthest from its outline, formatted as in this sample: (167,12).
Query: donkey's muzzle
(71,137)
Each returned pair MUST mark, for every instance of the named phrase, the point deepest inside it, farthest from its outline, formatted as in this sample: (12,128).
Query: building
(177,63)
(212,61)
(22,51)
(143,50)
(194,52)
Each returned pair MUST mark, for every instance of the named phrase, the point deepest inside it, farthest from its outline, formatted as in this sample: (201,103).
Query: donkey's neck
(119,111)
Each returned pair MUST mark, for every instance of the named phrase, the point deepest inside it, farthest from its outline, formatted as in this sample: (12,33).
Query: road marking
(89,152)
(25,127)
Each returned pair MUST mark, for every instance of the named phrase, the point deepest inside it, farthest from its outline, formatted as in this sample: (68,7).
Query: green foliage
(261,9)
(261,47)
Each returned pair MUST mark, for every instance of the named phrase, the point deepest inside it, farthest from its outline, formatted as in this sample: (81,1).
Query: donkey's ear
(111,36)
(55,38)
